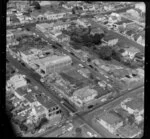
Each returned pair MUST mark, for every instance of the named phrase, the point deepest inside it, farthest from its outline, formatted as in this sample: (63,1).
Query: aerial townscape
(75,68)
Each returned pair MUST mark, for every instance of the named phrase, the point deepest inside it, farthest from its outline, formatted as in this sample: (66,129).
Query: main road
(35,79)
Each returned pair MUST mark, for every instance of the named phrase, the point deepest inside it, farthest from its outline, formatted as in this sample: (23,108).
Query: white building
(52,64)
(110,122)
(84,96)
(54,16)
(17,81)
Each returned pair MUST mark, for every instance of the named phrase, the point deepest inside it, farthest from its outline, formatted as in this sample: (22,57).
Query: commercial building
(110,121)
(83,96)
(52,64)
(54,16)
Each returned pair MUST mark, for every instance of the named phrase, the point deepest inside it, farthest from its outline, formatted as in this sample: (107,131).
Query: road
(91,116)
(32,76)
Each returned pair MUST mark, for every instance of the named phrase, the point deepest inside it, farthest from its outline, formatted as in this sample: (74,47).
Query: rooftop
(50,60)
(128,131)
(29,97)
(39,108)
(136,104)
(85,92)
(45,102)
(110,118)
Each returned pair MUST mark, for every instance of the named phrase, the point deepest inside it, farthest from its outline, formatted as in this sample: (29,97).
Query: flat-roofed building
(52,64)
(129,131)
(17,81)
(136,107)
(110,121)
(83,96)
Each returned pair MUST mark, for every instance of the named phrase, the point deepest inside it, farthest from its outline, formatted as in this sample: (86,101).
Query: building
(52,64)
(111,40)
(52,109)
(59,25)
(63,38)
(29,55)
(17,81)
(83,22)
(129,131)
(43,27)
(136,107)
(83,96)
(11,39)
(130,52)
(96,31)
(110,121)
(54,16)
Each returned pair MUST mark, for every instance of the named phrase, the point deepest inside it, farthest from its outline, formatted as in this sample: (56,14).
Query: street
(85,118)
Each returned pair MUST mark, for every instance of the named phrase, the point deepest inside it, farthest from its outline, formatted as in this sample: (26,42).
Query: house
(63,38)
(136,107)
(52,109)
(17,81)
(129,131)
(45,3)
(111,40)
(52,64)
(133,13)
(141,6)
(130,52)
(83,22)
(139,57)
(84,95)
(96,31)
(110,121)
(28,55)
(54,16)
(43,27)
(59,25)
(114,17)
(67,6)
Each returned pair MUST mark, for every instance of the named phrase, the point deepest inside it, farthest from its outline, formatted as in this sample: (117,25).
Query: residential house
(83,22)
(52,109)
(114,17)
(96,31)
(63,38)
(54,16)
(136,107)
(59,25)
(28,55)
(52,64)
(11,41)
(110,121)
(130,52)
(43,27)
(111,40)
(129,131)
(17,81)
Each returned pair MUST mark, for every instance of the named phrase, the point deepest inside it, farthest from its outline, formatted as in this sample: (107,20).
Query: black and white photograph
(75,69)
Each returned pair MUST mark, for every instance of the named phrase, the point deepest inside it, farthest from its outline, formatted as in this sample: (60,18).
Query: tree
(117,55)
(131,119)
(36,5)
(78,132)
(106,53)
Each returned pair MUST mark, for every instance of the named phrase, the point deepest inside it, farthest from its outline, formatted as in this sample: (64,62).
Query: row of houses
(54,31)
(114,120)
(28,98)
